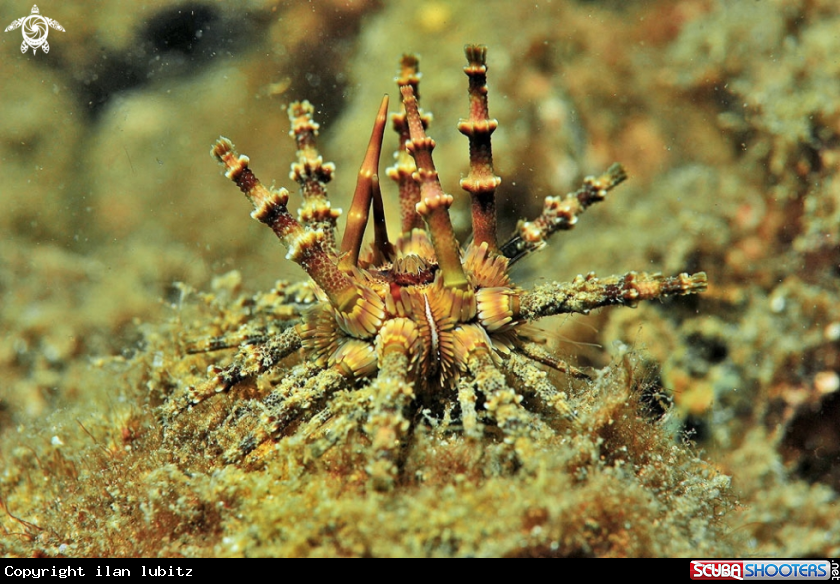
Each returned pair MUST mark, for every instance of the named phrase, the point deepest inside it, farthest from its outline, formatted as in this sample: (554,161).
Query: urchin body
(420,319)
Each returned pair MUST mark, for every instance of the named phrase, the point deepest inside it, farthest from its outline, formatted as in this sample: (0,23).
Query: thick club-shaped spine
(561,213)
(403,170)
(312,173)
(481,182)
(361,314)
(434,203)
(586,293)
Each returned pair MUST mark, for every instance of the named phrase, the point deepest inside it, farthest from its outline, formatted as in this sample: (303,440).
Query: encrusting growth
(418,326)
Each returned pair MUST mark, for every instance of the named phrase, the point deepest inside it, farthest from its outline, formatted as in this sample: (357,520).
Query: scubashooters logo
(710,570)
(760,570)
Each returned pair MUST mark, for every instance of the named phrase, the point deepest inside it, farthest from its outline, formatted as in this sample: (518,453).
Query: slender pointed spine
(367,192)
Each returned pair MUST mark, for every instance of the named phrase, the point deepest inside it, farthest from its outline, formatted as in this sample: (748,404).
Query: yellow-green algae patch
(125,480)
